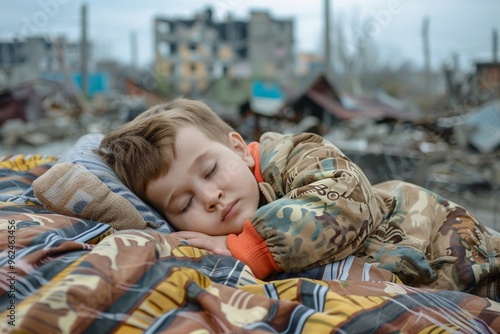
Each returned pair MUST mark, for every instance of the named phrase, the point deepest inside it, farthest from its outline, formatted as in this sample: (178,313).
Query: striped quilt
(63,274)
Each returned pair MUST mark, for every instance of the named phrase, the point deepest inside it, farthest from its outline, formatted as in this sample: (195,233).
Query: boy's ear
(238,145)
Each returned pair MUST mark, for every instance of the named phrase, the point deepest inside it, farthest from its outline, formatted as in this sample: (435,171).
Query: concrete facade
(270,44)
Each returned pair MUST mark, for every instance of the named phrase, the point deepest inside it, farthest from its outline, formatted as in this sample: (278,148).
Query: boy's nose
(212,199)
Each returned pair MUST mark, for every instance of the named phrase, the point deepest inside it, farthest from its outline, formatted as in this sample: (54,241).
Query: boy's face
(209,187)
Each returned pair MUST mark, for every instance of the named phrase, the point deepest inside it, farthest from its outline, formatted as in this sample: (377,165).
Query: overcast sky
(461,26)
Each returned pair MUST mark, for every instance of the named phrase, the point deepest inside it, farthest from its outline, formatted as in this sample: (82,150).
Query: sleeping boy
(294,202)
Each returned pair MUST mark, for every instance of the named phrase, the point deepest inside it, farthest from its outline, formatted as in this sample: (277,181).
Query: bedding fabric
(67,274)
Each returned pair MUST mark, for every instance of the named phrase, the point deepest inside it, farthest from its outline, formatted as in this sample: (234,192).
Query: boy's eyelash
(188,205)
(212,172)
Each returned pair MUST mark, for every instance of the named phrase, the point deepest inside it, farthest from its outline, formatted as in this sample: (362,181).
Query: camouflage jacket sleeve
(321,206)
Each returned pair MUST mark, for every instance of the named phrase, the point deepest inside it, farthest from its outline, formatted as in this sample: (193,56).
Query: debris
(481,128)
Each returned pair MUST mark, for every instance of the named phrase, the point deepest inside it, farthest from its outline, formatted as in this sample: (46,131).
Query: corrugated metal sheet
(486,124)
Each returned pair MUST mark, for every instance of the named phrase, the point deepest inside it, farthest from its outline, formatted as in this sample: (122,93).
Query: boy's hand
(216,244)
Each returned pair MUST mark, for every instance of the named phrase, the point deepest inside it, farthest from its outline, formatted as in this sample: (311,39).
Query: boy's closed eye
(185,208)
(212,171)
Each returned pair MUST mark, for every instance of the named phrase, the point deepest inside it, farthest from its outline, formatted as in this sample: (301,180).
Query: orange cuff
(250,248)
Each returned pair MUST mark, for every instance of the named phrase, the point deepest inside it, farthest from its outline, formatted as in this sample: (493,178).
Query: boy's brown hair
(142,150)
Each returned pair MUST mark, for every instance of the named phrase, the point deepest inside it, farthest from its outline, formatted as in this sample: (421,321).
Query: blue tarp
(266,97)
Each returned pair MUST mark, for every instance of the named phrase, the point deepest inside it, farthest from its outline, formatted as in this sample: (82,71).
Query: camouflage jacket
(322,208)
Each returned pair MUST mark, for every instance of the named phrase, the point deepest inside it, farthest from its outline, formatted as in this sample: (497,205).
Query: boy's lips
(228,211)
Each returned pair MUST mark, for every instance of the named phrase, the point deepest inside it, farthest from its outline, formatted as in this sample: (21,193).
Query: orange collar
(254,149)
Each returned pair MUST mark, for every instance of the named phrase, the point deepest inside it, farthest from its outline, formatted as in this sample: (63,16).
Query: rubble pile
(44,131)
(39,118)
(447,164)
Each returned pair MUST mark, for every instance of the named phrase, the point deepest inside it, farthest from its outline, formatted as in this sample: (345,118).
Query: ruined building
(190,53)
(24,60)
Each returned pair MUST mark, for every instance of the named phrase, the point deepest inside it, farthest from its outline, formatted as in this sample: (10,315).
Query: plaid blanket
(66,274)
